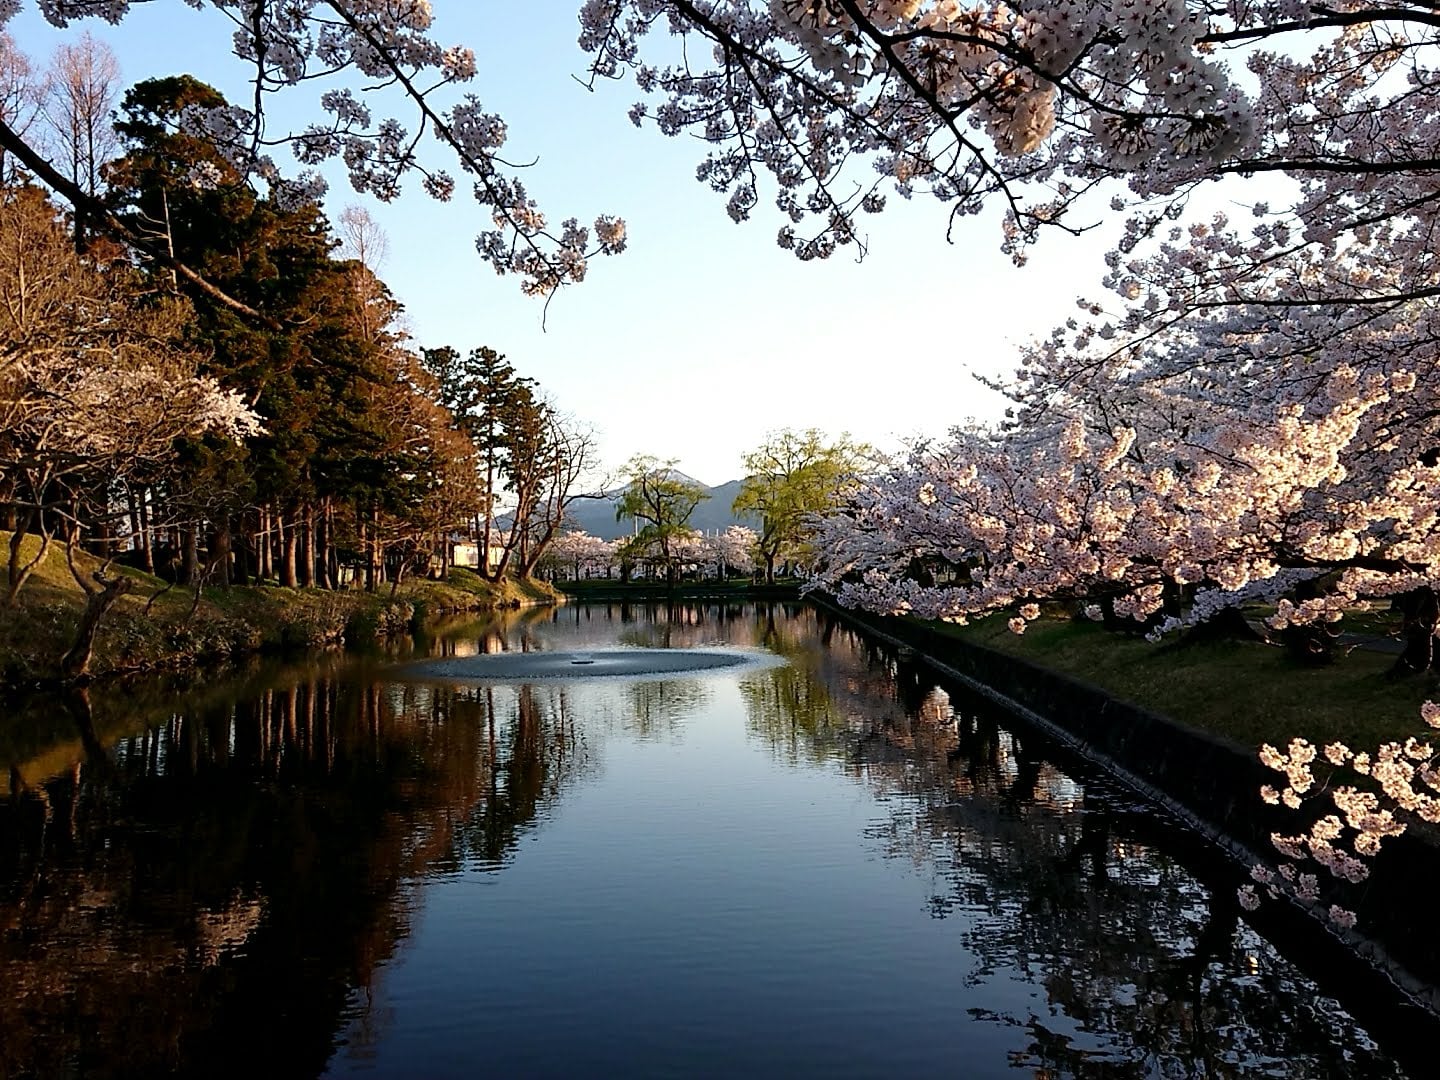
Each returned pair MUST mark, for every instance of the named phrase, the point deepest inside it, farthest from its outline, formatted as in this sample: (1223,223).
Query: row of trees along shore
(1244,412)
(313,446)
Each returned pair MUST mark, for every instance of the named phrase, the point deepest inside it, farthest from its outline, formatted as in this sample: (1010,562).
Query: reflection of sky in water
(829,866)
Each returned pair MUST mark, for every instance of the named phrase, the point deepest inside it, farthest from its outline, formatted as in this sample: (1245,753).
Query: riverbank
(157,627)
(1246,691)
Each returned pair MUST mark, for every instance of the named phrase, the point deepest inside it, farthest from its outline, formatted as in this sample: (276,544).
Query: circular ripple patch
(510,667)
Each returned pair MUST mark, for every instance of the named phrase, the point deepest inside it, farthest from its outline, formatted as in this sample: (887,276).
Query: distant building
(467,554)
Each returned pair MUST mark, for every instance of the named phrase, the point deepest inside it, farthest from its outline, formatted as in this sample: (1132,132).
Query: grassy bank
(153,628)
(1248,691)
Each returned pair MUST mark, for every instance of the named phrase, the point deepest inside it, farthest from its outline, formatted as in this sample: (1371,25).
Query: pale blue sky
(704,335)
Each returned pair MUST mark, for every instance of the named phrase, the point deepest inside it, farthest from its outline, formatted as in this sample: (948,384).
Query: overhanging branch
(98,213)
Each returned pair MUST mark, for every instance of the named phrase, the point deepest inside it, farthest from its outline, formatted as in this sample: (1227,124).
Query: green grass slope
(1248,691)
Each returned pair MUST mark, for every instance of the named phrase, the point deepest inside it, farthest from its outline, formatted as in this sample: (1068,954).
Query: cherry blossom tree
(96,383)
(581,555)
(734,549)
(1376,795)
(1251,409)
(1234,504)
(1251,401)
(1033,107)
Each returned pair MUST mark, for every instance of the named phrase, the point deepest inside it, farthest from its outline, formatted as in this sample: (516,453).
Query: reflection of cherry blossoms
(1403,785)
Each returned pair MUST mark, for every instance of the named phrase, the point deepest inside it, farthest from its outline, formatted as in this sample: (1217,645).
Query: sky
(704,336)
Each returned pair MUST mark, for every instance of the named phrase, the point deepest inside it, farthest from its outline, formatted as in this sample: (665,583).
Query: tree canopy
(792,481)
(152,419)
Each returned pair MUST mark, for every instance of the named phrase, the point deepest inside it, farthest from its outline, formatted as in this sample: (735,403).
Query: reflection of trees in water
(211,893)
(1144,974)
(656,708)
(792,713)
(533,752)
(216,892)
(680,625)
(506,630)
(38,737)
(838,694)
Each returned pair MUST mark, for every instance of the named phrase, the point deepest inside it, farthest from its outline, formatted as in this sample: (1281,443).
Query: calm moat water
(828,865)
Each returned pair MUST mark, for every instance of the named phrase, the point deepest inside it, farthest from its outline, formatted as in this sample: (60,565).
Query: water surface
(831,865)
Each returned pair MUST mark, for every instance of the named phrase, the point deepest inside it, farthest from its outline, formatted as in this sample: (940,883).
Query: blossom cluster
(968,101)
(731,549)
(1233,504)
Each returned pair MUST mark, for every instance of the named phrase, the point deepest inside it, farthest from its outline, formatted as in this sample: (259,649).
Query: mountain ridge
(596,515)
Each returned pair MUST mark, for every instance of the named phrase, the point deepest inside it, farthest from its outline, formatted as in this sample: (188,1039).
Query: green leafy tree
(529,457)
(790,481)
(495,407)
(660,501)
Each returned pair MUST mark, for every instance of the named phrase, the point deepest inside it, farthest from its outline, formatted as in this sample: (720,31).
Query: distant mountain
(597,516)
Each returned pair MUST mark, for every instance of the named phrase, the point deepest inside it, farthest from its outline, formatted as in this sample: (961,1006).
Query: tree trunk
(484,559)
(326,555)
(76,663)
(242,550)
(1312,644)
(1227,624)
(321,555)
(307,549)
(288,540)
(1420,612)
(190,556)
(266,569)
(104,531)
(19,570)
(137,521)
(220,556)
(374,564)
(399,577)
(363,533)
(147,533)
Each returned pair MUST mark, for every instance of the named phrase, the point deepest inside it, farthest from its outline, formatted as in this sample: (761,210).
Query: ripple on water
(600,663)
